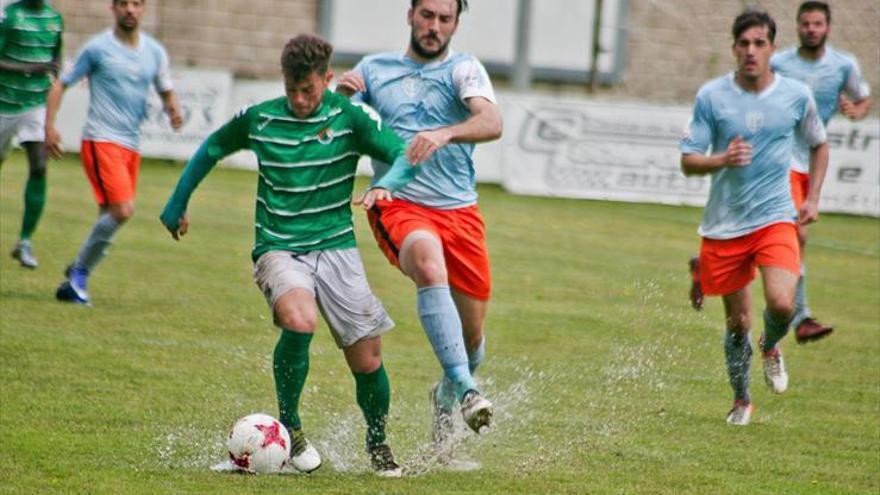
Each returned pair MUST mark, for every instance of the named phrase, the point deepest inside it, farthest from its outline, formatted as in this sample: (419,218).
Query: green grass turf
(605,380)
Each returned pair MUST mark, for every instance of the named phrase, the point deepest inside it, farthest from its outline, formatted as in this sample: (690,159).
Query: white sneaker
(774,370)
(476,411)
(383,462)
(303,456)
(741,413)
(24,253)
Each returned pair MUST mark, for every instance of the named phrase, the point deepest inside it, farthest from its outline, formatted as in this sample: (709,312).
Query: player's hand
(809,212)
(372,196)
(182,228)
(424,144)
(175,118)
(53,143)
(350,82)
(847,108)
(738,154)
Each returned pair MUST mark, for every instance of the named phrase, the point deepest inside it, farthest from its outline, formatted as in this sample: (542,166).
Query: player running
(30,53)
(120,64)
(750,119)
(443,103)
(836,81)
(305,256)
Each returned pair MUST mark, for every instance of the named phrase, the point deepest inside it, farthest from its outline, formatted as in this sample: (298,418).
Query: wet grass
(605,380)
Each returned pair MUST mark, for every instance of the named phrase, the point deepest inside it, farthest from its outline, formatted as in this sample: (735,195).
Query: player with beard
(443,103)
(750,120)
(836,81)
(120,64)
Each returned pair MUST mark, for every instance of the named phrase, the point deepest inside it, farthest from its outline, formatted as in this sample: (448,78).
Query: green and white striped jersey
(27,36)
(306,169)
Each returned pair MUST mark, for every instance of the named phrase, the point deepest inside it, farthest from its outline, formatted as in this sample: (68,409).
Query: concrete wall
(673,45)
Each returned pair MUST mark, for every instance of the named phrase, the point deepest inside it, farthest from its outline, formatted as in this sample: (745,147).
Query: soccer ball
(259,443)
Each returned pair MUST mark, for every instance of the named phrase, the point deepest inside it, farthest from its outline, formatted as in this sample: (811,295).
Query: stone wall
(673,45)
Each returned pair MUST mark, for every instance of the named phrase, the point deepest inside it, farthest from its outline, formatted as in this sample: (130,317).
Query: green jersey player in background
(30,53)
(307,145)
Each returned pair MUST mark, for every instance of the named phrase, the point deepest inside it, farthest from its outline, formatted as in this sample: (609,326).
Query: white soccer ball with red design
(259,443)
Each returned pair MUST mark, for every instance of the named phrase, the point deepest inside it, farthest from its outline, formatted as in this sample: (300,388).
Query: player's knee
(740,323)
(122,212)
(297,321)
(37,171)
(427,271)
(781,308)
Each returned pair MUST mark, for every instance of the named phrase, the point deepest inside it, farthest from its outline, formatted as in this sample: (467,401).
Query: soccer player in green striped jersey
(307,145)
(30,51)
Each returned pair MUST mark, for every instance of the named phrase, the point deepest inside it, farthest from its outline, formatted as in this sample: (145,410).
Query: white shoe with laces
(740,414)
(774,370)
(476,411)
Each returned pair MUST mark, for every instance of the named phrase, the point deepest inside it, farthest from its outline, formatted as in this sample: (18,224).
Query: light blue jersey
(835,73)
(119,82)
(413,97)
(745,199)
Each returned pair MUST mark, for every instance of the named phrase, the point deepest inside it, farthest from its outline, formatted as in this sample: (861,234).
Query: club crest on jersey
(754,121)
(412,86)
(325,136)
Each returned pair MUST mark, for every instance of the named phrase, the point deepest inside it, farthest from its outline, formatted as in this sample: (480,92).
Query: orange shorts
(728,265)
(800,187)
(461,231)
(112,170)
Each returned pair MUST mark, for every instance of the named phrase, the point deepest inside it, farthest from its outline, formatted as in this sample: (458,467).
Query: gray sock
(738,355)
(774,330)
(801,310)
(95,246)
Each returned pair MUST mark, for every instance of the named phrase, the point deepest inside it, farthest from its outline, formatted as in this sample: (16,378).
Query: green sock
(34,200)
(291,368)
(374,398)
(774,330)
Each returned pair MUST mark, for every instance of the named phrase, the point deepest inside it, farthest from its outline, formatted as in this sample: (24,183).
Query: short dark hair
(305,54)
(754,18)
(812,6)
(462,6)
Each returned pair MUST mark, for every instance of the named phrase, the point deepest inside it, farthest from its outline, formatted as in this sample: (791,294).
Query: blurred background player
(443,103)
(120,64)
(836,81)
(307,145)
(749,119)
(30,53)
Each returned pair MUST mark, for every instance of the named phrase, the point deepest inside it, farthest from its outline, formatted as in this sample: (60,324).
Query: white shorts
(29,126)
(337,279)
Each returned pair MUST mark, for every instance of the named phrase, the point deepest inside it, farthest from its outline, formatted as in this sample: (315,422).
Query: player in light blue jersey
(441,102)
(748,120)
(836,81)
(121,65)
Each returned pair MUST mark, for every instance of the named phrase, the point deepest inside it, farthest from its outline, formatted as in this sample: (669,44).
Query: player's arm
(351,82)
(83,66)
(223,142)
(737,154)
(165,88)
(382,143)
(854,110)
(172,107)
(813,132)
(855,101)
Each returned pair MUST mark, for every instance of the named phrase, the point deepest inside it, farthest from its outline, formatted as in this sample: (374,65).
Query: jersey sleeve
(374,138)
(699,131)
(810,127)
(163,75)
(232,137)
(362,68)
(856,87)
(83,66)
(471,79)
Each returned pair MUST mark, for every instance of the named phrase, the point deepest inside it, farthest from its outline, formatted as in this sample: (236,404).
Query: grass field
(605,380)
